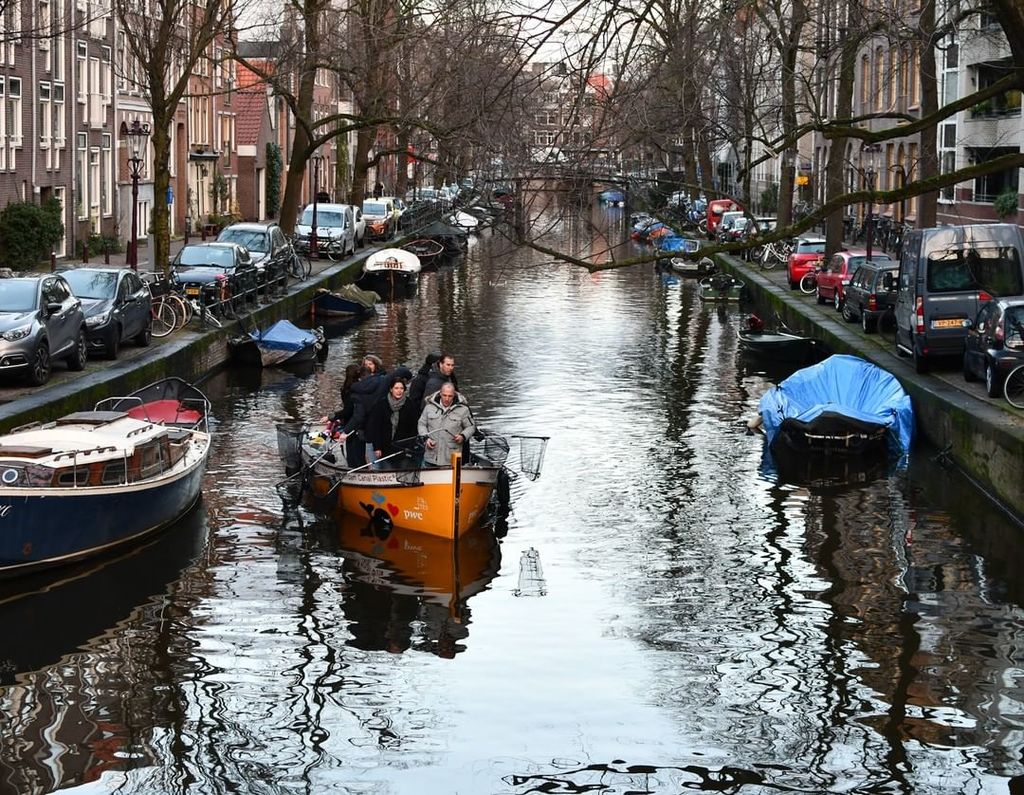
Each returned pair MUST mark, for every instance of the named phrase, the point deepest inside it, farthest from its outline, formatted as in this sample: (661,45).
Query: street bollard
(85,252)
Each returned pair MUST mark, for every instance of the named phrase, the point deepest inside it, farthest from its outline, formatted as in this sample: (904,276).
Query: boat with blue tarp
(843,405)
(279,344)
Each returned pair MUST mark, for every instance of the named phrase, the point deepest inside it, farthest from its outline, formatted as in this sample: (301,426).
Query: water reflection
(407,590)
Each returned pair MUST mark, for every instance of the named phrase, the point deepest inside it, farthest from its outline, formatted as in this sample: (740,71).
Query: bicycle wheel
(1013,387)
(296,269)
(336,252)
(165,319)
(768,259)
(182,308)
(809,283)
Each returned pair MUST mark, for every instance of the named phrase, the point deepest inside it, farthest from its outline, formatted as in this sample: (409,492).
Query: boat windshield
(17,295)
(323,218)
(92,284)
(252,239)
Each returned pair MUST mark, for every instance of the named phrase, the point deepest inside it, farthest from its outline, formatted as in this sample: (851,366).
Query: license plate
(950,322)
(191,291)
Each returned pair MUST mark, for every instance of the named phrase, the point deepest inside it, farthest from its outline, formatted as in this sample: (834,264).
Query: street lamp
(871,151)
(135,135)
(317,160)
(901,172)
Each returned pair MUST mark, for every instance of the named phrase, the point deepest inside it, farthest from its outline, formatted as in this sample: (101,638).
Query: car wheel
(837,301)
(847,314)
(144,337)
(113,343)
(793,285)
(39,368)
(969,374)
(79,354)
(868,324)
(993,386)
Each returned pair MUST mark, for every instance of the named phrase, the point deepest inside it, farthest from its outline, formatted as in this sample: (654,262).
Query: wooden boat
(94,480)
(282,343)
(440,501)
(454,239)
(429,251)
(392,271)
(782,346)
(721,287)
(346,301)
(842,406)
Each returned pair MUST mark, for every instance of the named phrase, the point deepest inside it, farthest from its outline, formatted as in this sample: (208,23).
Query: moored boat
(282,343)
(91,481)
(346,301)
(392,271)
(781,346)
(721,287)
(843,405)
(429,251)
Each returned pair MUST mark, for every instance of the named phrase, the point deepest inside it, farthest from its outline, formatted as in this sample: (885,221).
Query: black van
(946,273)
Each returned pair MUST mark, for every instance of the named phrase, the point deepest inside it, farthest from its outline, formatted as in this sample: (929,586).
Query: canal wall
(983,437)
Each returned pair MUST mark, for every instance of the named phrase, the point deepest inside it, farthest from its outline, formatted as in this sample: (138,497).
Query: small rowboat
(721,287)
(781,346)
(283,343)
(429,251)
(392,269)
(347,301)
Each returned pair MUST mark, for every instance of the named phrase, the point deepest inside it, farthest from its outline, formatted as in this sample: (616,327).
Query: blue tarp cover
(676,244)
(284,336)
(846,385)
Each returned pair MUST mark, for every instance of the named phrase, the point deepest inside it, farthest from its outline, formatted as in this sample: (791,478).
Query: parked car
(870,293)
(271,251)
(117,306)
(994,344)
(715,209)
(730,222)
(807,253)
(381,220)
(41,320)
(946,275)
(335,230)
(218,273)
(832,281)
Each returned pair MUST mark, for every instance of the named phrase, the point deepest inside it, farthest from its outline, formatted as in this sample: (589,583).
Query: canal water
(658,613)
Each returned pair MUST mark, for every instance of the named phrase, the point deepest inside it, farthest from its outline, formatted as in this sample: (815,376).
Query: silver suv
(40,320)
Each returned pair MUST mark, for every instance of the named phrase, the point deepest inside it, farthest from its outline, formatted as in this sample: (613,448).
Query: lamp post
(901,172)
(870,150)
(317,159)
(136,136)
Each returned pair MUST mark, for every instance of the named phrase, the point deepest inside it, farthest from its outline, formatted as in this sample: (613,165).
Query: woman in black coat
(391,422)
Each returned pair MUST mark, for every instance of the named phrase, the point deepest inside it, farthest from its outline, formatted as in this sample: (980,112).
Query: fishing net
(531,455)
(289,440)
(493,449)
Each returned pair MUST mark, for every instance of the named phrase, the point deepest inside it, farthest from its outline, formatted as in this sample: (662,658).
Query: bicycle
(300,267)
(809,281)
(1013,387)
(164,318)
(773,254)
(204,313)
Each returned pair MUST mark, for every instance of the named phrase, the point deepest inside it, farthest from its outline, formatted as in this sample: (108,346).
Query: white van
(335,230)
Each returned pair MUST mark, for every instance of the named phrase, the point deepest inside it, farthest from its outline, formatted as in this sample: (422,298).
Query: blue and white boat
(280,344)
(92,481)
(347,301)
(844,405)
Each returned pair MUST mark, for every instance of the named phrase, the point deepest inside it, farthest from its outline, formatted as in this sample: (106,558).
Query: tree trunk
(365,137)
(161,140)
(835,165)
(402,177)
(928,167)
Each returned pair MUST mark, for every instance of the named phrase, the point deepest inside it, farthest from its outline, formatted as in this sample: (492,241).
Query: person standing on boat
(446,422)
(348,421)
(367,392)
(391,424)
(374,364)
(443,372)
(418,386)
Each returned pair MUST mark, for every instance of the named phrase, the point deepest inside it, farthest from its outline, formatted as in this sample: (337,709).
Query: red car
(833,280)
(716,207)
(807,253)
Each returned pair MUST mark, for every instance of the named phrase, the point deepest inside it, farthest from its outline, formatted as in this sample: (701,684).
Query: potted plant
(1005,204)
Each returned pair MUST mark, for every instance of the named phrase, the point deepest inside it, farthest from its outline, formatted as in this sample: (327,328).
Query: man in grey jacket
(446,422)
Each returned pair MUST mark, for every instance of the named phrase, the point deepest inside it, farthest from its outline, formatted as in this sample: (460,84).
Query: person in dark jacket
(365,393)
(391,423)
(417,387)
(344,418)
(443,372)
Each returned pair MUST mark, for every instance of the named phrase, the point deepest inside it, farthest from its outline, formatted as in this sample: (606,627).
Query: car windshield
(810,247)
(881,259)
(252,239)
(207,255)
(375,208)
(17,295)
(92,284)
(323,217)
